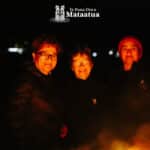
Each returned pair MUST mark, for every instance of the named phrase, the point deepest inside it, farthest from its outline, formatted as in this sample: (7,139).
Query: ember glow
(107,140)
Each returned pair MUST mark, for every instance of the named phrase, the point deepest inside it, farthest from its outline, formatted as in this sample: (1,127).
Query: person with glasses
(36,109)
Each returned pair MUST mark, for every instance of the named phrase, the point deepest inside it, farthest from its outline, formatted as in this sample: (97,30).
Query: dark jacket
(84,111)
(128,100)
(35,113)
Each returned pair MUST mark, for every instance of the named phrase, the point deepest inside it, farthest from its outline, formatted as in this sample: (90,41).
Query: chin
(47,71)
(83,78)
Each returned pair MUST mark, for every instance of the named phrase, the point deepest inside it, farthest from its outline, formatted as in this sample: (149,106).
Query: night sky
(21,21)
(25,20)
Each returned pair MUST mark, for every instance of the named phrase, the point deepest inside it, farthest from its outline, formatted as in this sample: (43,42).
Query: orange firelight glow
(81,66)
(130,50)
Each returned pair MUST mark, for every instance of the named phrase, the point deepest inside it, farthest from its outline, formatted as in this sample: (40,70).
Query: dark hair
(83,51)
(45,39)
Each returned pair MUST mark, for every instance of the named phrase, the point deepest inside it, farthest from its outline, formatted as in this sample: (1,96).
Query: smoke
(108,140)
(142,137)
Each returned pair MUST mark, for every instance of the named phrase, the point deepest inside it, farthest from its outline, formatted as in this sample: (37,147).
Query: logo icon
(60,14)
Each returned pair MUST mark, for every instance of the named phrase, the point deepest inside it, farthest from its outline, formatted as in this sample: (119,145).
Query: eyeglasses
(46,56)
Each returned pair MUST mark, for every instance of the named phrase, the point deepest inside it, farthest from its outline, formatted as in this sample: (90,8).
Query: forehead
(80,56)
(129,43)
(48,48)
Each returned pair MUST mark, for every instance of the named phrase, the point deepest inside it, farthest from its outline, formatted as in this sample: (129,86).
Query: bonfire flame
(106,140)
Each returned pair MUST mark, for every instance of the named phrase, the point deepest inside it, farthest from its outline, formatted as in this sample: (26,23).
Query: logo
(63,15)
(60,14)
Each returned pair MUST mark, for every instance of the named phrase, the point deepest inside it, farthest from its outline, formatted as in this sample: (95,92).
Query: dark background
(21,21)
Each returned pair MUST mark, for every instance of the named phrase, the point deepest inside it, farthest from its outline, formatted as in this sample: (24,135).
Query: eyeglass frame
(46,56)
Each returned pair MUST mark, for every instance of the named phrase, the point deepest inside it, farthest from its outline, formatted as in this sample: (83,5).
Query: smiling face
(81,66)
(45,59)
(129,53)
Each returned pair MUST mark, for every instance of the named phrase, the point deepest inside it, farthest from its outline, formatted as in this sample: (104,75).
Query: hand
(63,131)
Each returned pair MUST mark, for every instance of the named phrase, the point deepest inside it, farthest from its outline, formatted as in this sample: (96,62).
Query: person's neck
(127,67)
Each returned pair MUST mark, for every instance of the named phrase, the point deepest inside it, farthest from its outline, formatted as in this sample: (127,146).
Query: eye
(134,48)
(124,49)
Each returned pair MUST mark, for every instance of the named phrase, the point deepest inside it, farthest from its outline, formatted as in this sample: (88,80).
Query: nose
(82,64)
(128,52)
(49,60)
(49,57)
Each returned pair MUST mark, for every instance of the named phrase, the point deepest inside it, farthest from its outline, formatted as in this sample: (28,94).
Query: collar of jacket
(36,72)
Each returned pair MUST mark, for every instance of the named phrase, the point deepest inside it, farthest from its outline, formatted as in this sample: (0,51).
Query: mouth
(48,67)
(82,72)
(129,57)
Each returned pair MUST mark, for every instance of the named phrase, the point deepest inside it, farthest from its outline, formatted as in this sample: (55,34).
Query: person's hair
(38,42)
(81,51)
(133,39)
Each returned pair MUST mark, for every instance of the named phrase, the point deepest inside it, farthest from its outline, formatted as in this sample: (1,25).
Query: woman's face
(81,66)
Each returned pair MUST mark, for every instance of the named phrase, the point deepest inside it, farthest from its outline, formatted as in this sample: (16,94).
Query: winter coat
(35,112)
(84,111)
(128,100)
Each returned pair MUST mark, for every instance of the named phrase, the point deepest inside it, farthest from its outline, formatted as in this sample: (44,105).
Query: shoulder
(23,79)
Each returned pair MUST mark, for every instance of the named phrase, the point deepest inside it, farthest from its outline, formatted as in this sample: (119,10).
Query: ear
(72,68)
(92,65)
(33,56)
